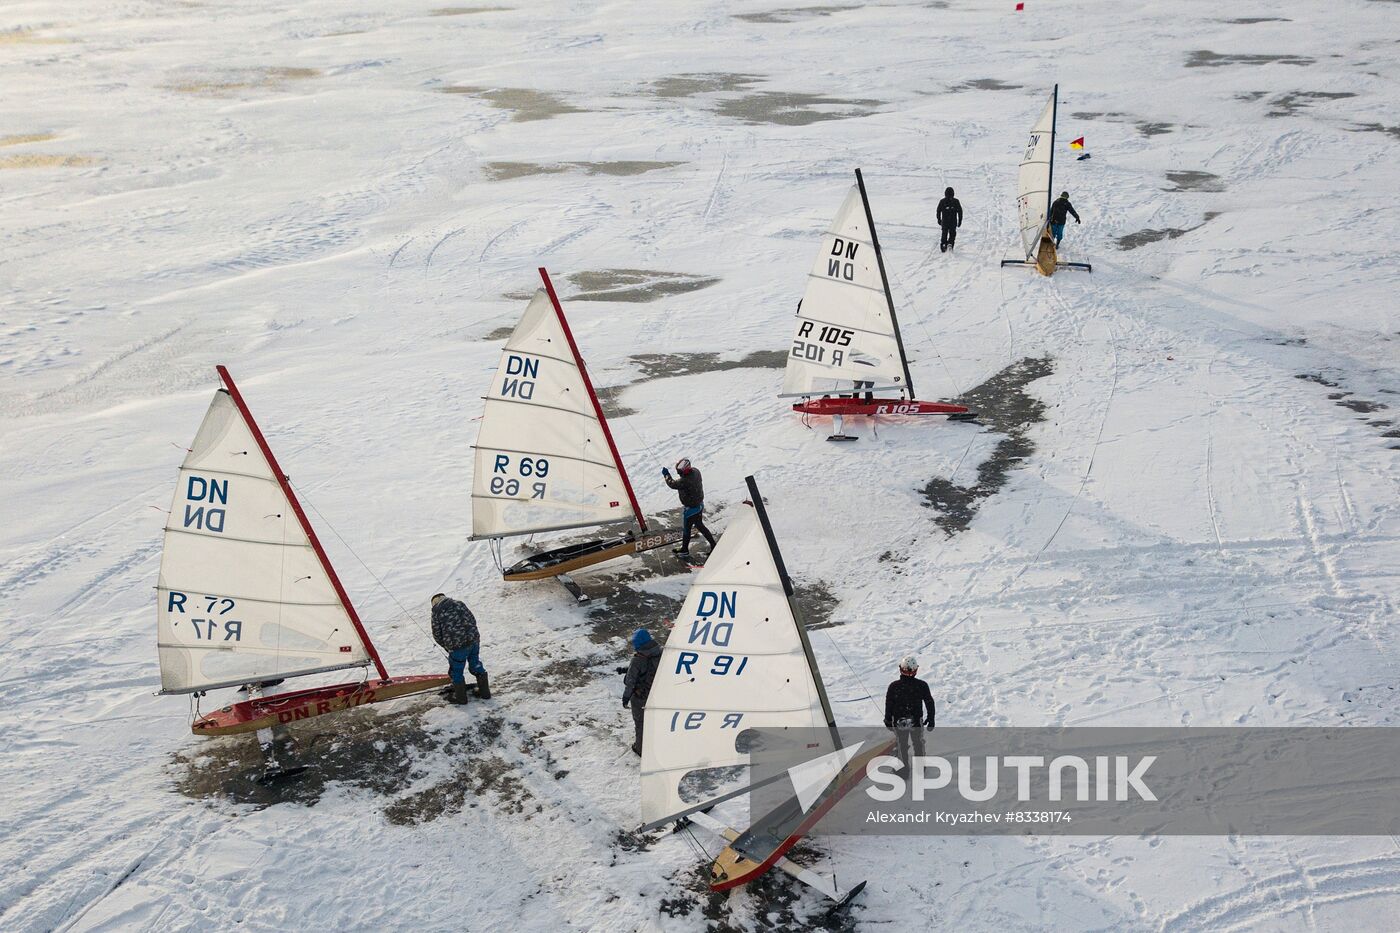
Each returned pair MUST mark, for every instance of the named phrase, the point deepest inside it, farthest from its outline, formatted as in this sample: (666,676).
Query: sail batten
(846,331)
(736,659)
(544,458)
(235,528)
(1033,178)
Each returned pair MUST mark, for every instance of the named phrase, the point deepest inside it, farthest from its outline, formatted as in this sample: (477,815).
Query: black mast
(1050,181)
(884,280)
(757,499)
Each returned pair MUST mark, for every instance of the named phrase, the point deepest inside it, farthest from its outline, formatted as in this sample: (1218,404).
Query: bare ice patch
(504,171)
(629,285)
(1206,59)
(791,108)
(231,80)
(1147,128)
(792,15)
(782,108)
(1195,181)
(45,160)
(1144,237)
(467,10)
(527,103)
(984,84)
(713,82)
(1003,403)
(1286,105)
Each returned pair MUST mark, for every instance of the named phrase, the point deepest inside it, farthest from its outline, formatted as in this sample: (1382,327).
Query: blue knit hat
(640,639)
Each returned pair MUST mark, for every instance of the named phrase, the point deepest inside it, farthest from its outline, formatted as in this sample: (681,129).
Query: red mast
(301,517)
(593,396)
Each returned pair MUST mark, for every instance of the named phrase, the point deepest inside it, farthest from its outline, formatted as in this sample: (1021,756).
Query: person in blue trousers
(1060,212)
(454,628)
(692,494)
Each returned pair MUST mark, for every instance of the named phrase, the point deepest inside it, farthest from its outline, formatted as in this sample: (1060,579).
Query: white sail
(242,595)
(733,661)
(845,332)
(543,461)
(1033,179)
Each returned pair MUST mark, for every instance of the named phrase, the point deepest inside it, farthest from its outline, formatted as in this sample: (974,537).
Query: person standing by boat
(1061,211)
(949,216)
(636,686)
(454,628)
(905,702)
(687,483)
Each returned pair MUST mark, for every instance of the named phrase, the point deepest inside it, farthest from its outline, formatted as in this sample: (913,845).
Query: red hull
(283,708)
(854,774)
(854,406)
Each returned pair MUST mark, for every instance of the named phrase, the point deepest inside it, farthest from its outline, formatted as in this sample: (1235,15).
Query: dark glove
(626,702)
(929,725)
(1076,220)
(666,472)
(622,670)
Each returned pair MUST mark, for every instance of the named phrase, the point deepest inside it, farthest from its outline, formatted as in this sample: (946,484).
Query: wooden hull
(573,557)
(283,708)
(836,405)
(770,838)
(1046,260)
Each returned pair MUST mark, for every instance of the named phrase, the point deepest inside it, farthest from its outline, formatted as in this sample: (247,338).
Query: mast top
(885,281)
(593,397)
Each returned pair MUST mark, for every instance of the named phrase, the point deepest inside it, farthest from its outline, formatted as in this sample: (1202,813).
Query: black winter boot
(483,686)
(459,694)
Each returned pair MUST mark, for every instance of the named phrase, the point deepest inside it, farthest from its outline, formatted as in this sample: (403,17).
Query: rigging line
(322,518)
(859,682)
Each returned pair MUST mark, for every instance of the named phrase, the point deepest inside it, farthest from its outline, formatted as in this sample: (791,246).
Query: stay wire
(375,577)
(854,673)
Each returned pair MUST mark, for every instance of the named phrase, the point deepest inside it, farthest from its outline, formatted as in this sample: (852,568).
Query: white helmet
(909,664)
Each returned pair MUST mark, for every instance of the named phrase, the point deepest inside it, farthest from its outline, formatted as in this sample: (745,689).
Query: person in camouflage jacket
(454,628)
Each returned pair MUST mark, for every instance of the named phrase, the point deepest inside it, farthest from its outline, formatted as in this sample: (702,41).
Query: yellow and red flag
(1077,143)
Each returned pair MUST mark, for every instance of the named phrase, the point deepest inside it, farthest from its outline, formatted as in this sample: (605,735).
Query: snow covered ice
(1195,523)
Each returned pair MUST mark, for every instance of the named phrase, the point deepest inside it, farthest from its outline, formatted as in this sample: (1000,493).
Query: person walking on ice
(636,686)
(949,216)
(1060,211)
(905,702)
(692,494)
(454,628)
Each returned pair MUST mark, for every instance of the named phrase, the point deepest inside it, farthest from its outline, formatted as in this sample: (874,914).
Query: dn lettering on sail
(520,377)
(840,264)
(208,493)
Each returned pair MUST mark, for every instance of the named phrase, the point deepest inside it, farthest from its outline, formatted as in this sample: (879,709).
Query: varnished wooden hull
(283,708)
(574,557)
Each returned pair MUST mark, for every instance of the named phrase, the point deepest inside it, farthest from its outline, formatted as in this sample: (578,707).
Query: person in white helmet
(692,493)
(905,703)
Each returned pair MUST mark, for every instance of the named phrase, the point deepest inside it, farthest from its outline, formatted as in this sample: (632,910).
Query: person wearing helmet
(692,492)
(905,703)
(949,216)
(636,686)
(1060,211)
(454,628)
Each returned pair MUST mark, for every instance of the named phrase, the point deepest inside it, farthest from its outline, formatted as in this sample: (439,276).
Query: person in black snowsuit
(454,628)
(636,686)
(949,216)
(905,703)
(692,494)
(1061,211)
